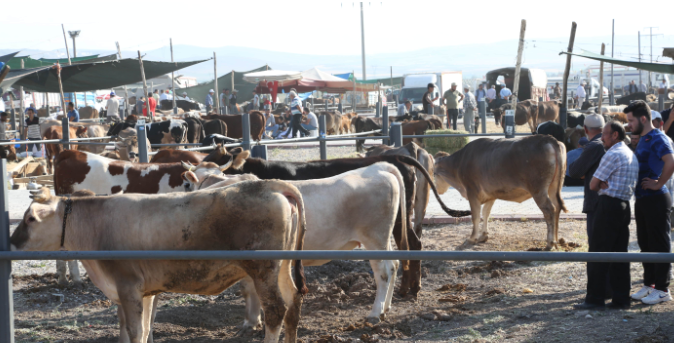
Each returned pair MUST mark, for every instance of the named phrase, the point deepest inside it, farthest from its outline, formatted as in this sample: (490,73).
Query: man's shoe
(588,306)
(642,293)
(617,306)
(657,297)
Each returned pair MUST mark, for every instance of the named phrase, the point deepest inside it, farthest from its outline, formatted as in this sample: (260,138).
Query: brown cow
(617,116)
(95,131)
(416,127)
(506,169)
(435,120)
(56,132)
(88,112)
(234,124)
(170,156)
(333,122)
(529,111)
(345,126)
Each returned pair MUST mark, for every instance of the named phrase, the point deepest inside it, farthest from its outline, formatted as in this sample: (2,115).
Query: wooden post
(63,100)
(565,81)
(6,295)
(215,78)
(126,93)
(518,66)
(69,61)
(142,74)
(175,108)
(22,113)
(601,79)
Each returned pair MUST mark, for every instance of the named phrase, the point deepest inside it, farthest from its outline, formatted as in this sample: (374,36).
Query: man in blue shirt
(73,115)
(209,101)
(505,93)
(654,204)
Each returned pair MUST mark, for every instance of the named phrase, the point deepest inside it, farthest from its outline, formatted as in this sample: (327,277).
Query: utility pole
(362,38)
(69,63)
(650,80)
(175,108)
(639,56)
(611,99)
(126,92)
(73,35)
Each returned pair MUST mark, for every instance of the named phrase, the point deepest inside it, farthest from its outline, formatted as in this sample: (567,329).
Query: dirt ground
(459,302)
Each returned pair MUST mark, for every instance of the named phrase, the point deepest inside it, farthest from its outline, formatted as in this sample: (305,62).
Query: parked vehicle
(572,85)
(533,82)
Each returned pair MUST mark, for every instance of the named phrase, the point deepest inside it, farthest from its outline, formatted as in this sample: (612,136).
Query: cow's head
(81,132)
(40,229)
(178,131)
(201,171)
(8,152)
(221,156)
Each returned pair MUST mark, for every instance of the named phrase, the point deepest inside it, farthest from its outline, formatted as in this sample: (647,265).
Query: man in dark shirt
(428,99)
(668,128)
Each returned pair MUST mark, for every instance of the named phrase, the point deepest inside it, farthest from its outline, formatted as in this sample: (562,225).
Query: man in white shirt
(505,93)
(185,97)
(112,107)
(404,108)
(491,93)
(169,95)
(663,86)
(224,98)
(163,96)
(580,94)
(256,101)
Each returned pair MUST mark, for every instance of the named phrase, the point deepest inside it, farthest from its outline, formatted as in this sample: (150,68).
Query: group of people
(303,122)
(613,173)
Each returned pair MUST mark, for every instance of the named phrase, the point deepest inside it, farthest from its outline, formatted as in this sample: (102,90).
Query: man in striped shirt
(296,111)
(615,181)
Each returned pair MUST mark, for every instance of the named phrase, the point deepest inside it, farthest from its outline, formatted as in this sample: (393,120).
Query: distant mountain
(474,60)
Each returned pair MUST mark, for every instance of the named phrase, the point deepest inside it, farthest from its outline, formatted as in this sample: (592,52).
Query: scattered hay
(458,288)
(495,291)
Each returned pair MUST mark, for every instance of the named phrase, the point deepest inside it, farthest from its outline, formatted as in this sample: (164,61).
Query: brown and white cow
(261,215)
(506,169)
(355,208)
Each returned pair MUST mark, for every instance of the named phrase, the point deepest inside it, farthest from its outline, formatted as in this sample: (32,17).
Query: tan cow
(56,132)
(529,112)
(260,215)
(355,208)
(506,169)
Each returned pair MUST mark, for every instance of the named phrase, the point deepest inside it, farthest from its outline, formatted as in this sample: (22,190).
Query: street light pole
(73,35)
(362,38)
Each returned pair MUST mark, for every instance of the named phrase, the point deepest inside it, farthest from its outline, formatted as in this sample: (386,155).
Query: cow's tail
(404,242)
(291,192)
(560,156)
(415,163)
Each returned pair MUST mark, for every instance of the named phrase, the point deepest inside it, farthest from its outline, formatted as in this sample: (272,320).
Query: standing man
(614,180)
(151,103)
(163,96)
(209,101)
(428,99)
(480,93)
(633,87)
(654,204)
(224,98)
(469,107)
(586,165)
(642,87)
(232,102)
(663,86)
(580,95)
(505,93)
(557,92)
(140,104)
(32,130)
(155,95)
(112,107)
(452,98)
(296,111)
(491,94)
(73,115)
(404,108)
(256,101)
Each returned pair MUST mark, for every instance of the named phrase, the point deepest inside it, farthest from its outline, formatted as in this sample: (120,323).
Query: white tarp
(272,75)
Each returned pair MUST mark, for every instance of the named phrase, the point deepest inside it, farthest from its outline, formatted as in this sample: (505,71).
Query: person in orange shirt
(152,103)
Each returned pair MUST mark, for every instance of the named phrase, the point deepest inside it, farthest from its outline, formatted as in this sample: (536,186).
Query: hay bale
(446,144)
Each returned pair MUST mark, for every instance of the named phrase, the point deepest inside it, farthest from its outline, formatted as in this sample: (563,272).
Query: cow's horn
(226,165)
(188,166)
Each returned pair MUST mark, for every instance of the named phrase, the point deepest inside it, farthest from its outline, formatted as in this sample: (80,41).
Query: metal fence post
(482,106)
(259,151)
(509,124)
(340,108)
(13,119)
(327,104)
(66,132)
(384,125)
(6,297)
(376,110)
(396,134)
(431,109)
(142,143)
(321,135)
(245,126)
(661,102)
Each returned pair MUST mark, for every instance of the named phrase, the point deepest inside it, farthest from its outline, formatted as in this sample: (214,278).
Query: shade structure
(245,89)
(272,75)
(89,76)
(315,79)
(654,67)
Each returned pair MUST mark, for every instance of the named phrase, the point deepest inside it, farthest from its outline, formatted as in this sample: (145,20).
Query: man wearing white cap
(209,101)
(469,106)
(452,98)
(112,107)
(656,118)
(296,111)
(185,97)
(580,94)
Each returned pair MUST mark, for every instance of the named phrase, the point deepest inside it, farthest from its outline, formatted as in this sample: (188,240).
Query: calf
(416,127)
(507,169)
(267,215)
(355,208)
(322,169)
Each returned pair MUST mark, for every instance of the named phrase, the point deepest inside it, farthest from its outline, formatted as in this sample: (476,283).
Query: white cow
(343,211)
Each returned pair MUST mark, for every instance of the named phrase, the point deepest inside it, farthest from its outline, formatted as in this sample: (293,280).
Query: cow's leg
(545,204)
(391,285)
(558,210)
(486,210)
(251,317)
(405,283)
(475,209)
(131,301)
(75,273)
(147,317)
(150,338)
(267,287)
(382,278)
(123,335)
(293,301)
(61,271)
(420,204)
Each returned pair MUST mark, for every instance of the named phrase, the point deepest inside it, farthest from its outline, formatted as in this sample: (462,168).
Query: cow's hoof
(483,238)
(62,282)
(373,320)
(78,285)
(466,245)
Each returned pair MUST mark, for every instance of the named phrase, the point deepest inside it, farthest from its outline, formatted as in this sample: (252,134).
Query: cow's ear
(41,196)
(191,177)
(240,159)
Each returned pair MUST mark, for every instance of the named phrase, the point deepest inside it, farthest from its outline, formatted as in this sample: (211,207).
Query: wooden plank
(37,178)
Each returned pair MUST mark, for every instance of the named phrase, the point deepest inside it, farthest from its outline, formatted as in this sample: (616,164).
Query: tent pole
(22,106)
(518,66)
(353,98)
(175,109)
(63,101)
(126,93)
(601,79)
(215,78)
(565,103)
(142,74)
(639,56)
(610,94)
(69,61)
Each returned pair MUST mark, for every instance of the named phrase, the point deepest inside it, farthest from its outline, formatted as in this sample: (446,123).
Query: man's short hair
(149,95)
(69,104)
(617,127)
(639,108)
(31,109)
(408,102)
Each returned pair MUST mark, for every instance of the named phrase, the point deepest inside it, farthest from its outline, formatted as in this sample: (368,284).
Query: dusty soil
(460,301)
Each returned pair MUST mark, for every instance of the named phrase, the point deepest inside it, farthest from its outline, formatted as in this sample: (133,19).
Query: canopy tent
(272,75)
(8,57)
(28,62)
(89,76)
(313,79)
(654,67)
(245,89)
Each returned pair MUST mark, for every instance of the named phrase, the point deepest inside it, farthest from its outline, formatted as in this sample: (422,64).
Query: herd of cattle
(226,200)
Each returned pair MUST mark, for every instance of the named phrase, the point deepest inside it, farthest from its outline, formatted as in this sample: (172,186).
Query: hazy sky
(315,27)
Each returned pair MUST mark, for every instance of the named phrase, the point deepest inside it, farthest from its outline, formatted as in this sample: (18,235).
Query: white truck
(415,85)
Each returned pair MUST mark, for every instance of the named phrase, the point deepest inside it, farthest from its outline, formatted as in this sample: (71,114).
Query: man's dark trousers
(452,117)
(610,233)
(295,124)
(653,226)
